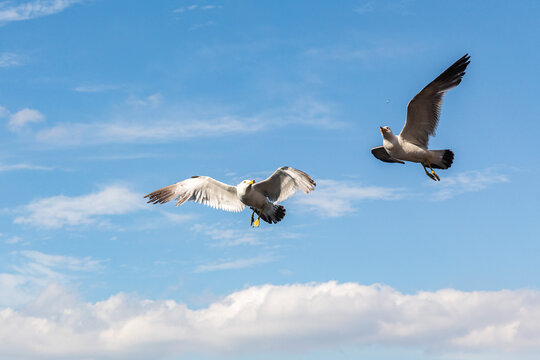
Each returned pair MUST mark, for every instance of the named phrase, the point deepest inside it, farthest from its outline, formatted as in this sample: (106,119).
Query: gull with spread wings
(422,119)
(261,197)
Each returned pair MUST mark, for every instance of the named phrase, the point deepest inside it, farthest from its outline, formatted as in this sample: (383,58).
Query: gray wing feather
(284,182)
(424,109)
(200,189)
(380,153)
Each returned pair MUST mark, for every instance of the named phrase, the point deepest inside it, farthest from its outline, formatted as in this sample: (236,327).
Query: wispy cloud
(10,59)
(269,318)
(469,181)
(235,264)
(196,7)
(365,8)
(228,236)
(97,88)
(59,211)
(174,123)
(32,271)
(334,198)
(32,9)
(13,167)
(21,118)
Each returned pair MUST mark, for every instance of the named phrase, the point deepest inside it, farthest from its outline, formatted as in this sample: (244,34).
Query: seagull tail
(272,214)
(442,159)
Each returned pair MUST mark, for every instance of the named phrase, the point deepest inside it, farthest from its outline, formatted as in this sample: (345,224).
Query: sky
(102,102)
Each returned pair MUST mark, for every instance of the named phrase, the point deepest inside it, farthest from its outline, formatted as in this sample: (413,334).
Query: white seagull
(261,197)
(422,118)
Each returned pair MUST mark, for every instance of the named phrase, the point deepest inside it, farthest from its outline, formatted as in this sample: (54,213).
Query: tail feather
(272,214)
(443,159)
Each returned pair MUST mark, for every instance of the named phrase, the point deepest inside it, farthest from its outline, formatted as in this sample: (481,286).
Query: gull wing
(380,153)
(200,189)
(284,182)
(424,109)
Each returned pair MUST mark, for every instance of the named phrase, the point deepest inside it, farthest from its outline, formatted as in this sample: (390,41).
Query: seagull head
(246,183)
(386,132)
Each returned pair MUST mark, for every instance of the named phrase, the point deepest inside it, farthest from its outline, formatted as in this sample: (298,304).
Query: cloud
(13,240)
(59,211)
(365,8)
(171,123)
(33,271)
(97,88)
(234,264)
(10,59)
(25,116)
(32,9)
(334,198)
(196,7)
(228,236)
(269,318)
(468,181)
(13,167)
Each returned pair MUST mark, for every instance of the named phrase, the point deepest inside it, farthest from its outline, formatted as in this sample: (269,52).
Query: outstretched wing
(424,109)
(201,189)
(284,182)
(380,153)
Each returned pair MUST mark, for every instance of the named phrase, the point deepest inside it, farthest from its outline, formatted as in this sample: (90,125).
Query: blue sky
(103,101)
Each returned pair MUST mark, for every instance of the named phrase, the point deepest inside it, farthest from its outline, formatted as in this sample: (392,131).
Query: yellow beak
(252,182)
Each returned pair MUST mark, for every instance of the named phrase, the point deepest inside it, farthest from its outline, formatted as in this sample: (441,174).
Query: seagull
(261,197)
(422,118)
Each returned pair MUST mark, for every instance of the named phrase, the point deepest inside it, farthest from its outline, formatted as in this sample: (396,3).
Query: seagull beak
(382,130)
(251,182)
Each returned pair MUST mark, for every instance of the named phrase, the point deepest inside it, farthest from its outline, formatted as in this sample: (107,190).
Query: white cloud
(174,123)
(32,9)
(234,264)
(13,167)
(334,198)
(25,116)
(365,8)
(228,236)
(33,271)
(268,318)
(469,181)
(13,240)
(10,59)
(59,211)
(196,7)
(96,88)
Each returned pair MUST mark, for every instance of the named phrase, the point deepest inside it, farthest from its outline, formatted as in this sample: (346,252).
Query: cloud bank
(297,317)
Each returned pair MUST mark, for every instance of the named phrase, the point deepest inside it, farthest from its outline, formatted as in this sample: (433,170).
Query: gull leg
(252,219)
(433,171)
(258,221)
(428,174)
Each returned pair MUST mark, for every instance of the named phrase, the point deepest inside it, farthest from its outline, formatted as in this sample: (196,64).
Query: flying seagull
(261,197)
(422,118)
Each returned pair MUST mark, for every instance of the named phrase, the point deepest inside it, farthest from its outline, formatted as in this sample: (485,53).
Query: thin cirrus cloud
(269,318)
(8,59)
(468,181)
(20,119)
(33,271)
(172,123)
(32,9)
(23,166)
(334,198)
(58,211)
(235,264)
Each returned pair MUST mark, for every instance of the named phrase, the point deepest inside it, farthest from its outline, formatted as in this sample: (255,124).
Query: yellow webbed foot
(435,175)
(256,223)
